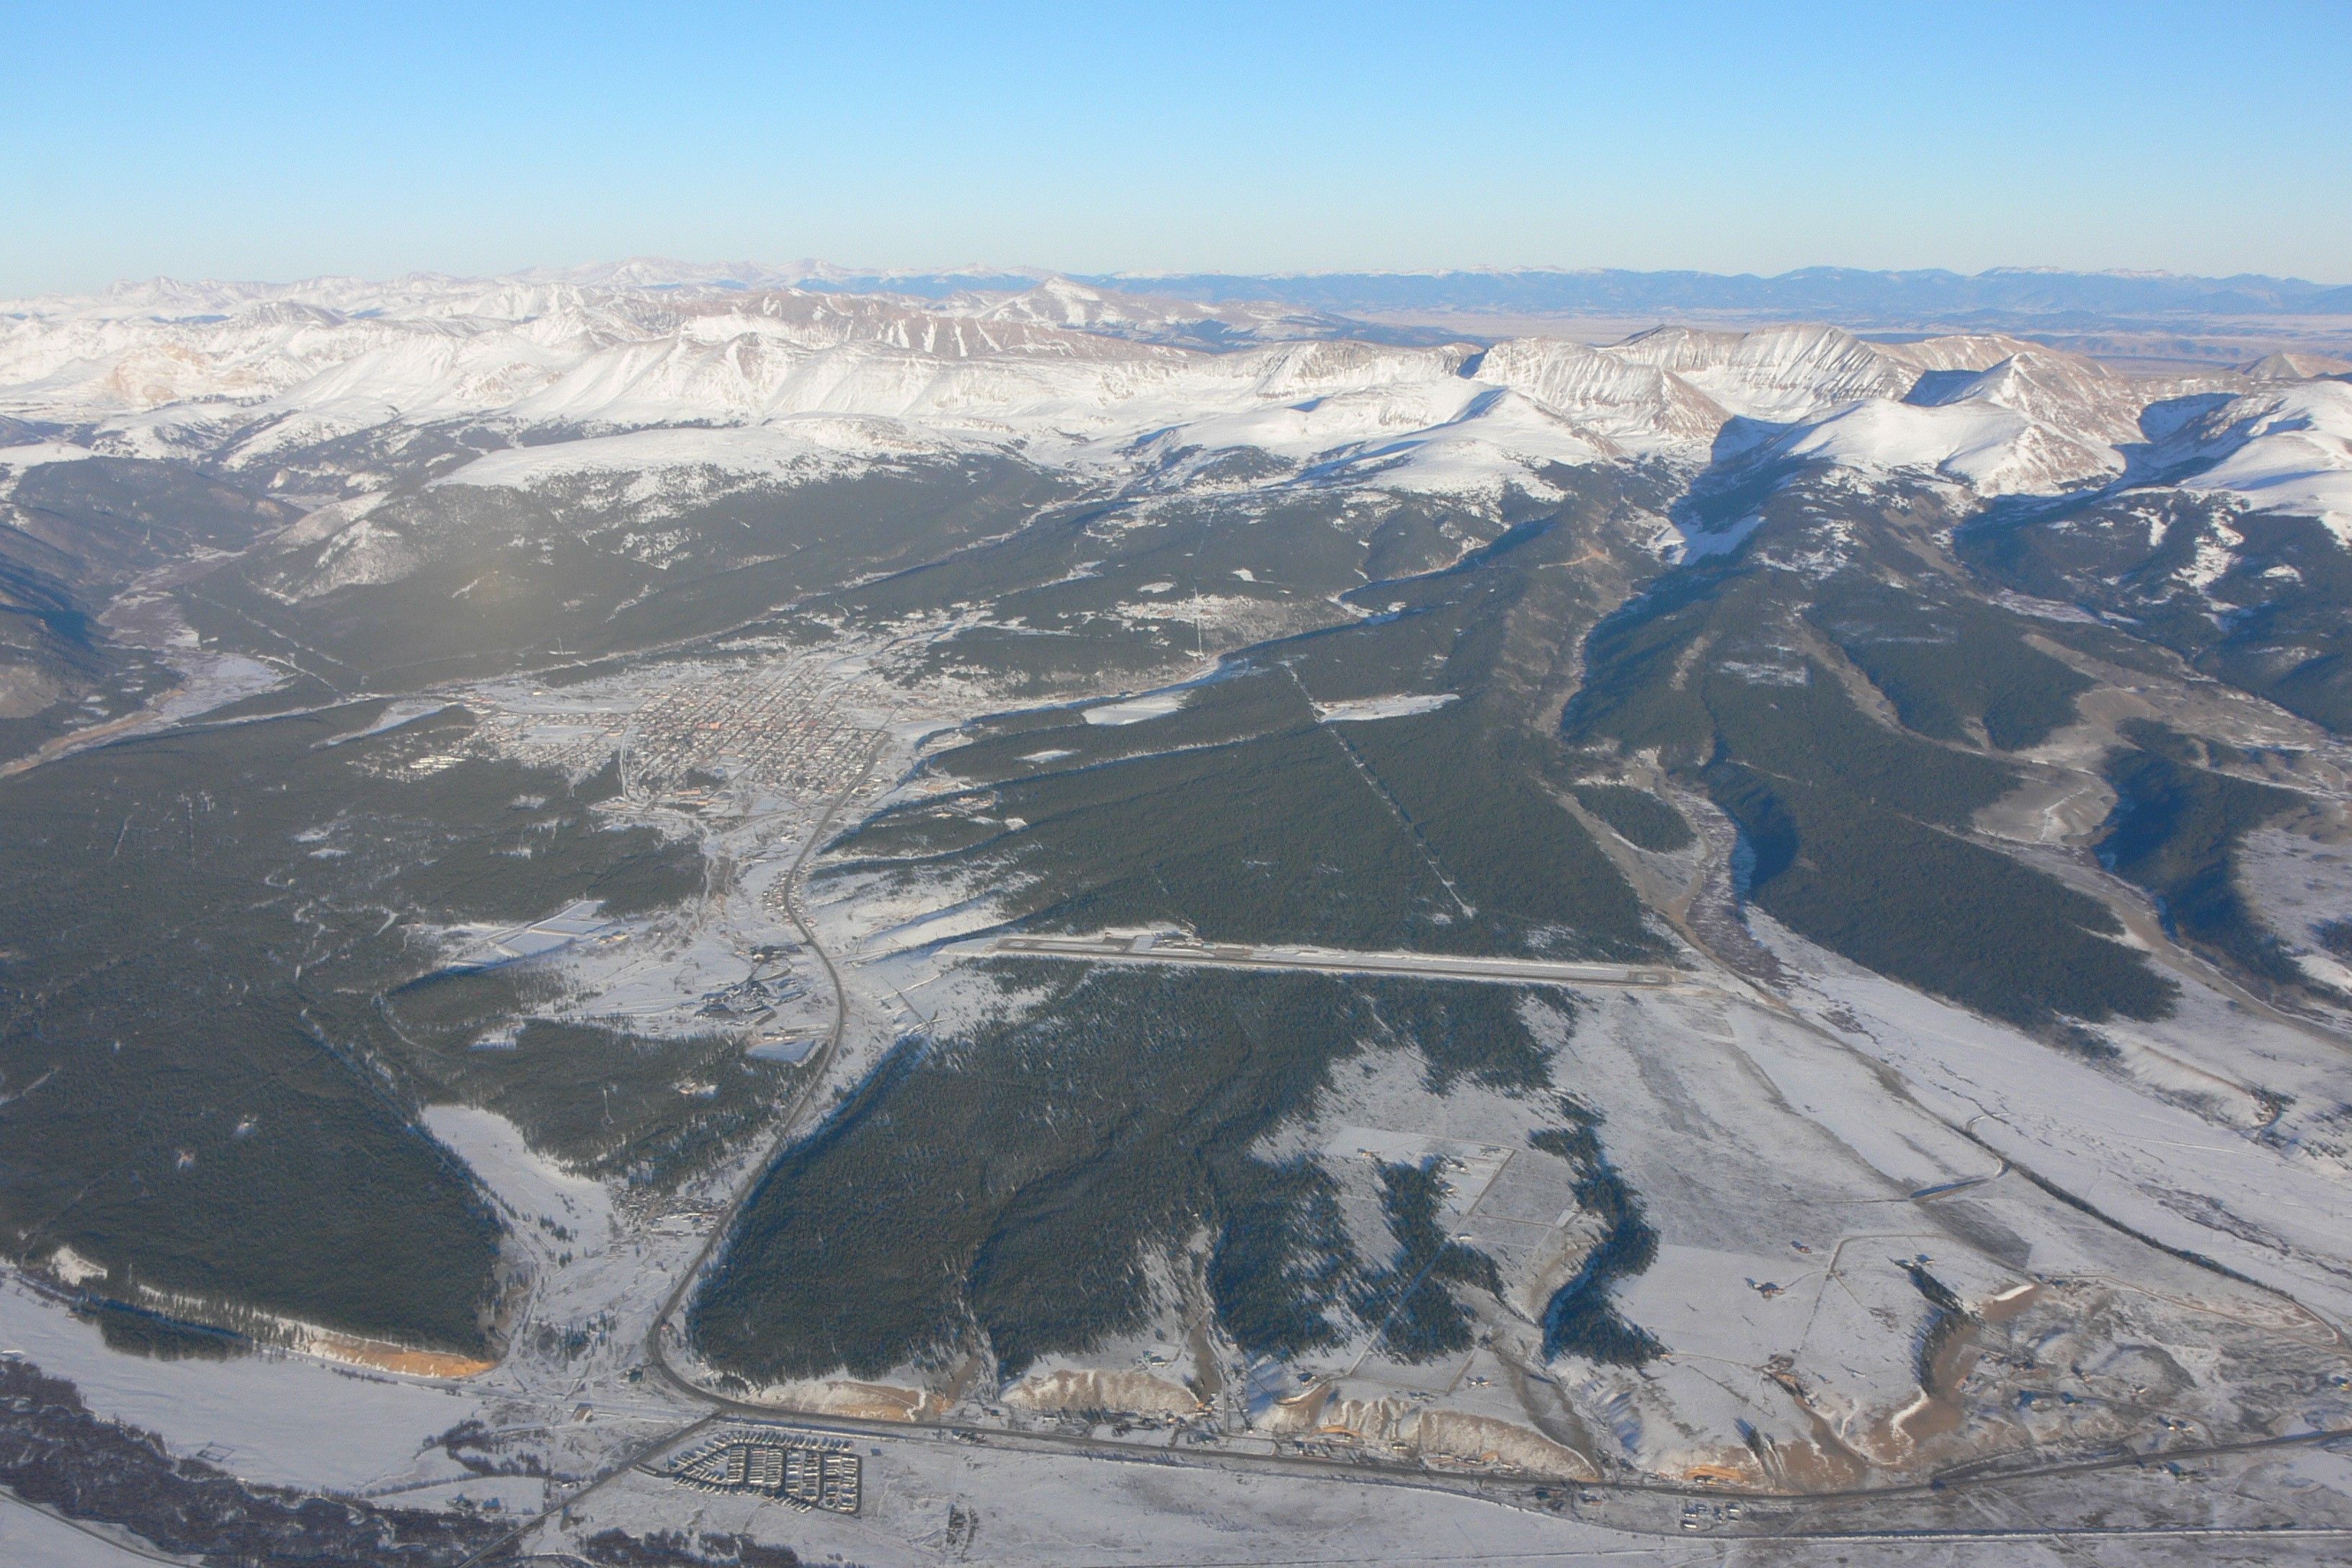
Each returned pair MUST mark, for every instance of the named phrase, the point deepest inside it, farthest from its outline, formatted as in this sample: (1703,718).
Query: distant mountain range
(1847,294)
(2011,298)
(1854,296)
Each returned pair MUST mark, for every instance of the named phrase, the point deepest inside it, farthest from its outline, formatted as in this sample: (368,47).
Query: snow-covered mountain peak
(2283,449)
(2071,397)
(1080,306)
(1063,303)
(1635,403)
(2296,367)
(1776,373)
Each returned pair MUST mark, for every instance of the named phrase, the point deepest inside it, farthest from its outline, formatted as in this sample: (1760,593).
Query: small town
(784,725)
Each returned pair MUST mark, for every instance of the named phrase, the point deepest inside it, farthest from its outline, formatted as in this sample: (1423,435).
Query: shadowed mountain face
(418,698)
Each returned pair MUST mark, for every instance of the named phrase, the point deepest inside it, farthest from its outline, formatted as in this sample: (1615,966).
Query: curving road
(820,1063)
(656,1351)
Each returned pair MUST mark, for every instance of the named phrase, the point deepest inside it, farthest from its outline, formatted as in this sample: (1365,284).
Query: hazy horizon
(751,270)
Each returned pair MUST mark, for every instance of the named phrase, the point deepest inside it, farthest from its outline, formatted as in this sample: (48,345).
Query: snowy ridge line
(787,385)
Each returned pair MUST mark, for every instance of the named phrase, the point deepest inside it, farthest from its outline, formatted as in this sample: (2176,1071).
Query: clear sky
(280,142)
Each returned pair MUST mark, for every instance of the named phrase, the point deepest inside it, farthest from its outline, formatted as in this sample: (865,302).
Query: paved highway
(656,1351)
(1332,961)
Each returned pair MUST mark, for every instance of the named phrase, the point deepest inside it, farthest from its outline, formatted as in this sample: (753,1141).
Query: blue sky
(280,142)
